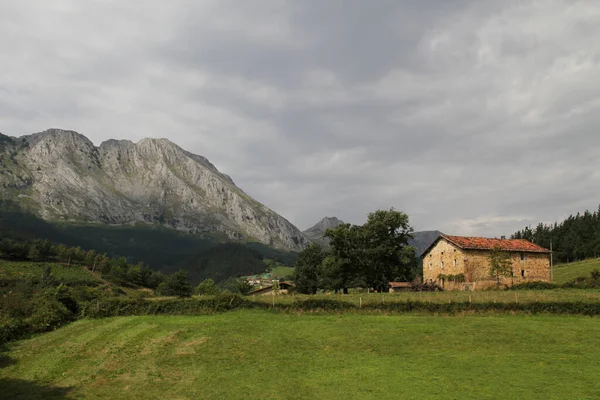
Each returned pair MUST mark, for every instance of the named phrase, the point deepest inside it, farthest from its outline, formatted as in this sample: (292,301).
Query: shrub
(426,287)
(175,285)
(49,314)
(534,285)
(206,287)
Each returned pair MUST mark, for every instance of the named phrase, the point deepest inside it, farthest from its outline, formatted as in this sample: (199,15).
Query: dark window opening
(522,273)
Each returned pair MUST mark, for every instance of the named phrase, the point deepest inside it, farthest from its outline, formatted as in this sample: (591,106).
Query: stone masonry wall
(444,258)
(533,267)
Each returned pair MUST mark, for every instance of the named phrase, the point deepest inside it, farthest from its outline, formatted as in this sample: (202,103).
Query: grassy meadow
(282,271)
(566,272)
(262,355)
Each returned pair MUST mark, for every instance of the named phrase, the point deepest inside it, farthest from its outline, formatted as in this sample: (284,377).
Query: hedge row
(128,307)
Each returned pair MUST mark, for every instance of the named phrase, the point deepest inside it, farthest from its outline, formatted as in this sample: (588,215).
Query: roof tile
(480,243)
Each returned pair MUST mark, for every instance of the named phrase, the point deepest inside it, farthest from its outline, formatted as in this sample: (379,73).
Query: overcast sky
(474,117)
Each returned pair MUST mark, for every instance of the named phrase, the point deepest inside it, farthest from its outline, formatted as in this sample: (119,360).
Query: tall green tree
(42,250)
(347,260)
(387,256)
(176,284)
(308,269)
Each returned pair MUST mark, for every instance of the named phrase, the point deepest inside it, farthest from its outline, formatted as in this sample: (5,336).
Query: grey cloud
(473,117)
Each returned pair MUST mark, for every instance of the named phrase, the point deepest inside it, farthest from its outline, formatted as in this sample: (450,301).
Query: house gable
(442,258)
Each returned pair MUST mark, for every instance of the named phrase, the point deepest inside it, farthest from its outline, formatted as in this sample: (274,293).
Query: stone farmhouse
(470,256)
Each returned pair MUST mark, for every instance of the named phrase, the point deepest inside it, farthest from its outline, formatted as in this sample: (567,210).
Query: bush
(534,285)
(582,282)
(175,285)
(111,307)
(425,287)
(206,287)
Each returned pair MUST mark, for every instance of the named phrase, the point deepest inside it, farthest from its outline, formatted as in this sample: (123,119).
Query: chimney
(502,237)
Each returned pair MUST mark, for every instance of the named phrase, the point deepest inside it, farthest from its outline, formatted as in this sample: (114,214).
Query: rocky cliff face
(61,175)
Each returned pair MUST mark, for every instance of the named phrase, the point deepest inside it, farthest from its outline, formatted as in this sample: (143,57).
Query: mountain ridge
(61,175)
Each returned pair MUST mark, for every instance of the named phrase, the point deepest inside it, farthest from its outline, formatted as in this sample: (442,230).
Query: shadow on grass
(6,361)
(20,389)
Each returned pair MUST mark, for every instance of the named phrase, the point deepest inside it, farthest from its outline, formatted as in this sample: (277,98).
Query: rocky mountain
(316,232)
(61,175)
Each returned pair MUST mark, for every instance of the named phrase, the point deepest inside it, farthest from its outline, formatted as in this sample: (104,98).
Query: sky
(473,117)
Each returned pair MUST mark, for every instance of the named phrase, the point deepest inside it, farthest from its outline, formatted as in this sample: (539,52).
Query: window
(430,265)
(442,265)
(455,262)
(522,273)
(522,256)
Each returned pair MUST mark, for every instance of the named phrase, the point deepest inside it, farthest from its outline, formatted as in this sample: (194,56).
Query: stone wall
(444,258)
(526,267)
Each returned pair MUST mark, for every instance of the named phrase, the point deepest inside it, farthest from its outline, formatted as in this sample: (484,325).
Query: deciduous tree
(500,264)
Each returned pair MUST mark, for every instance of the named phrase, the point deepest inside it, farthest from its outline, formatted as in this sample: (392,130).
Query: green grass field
(566,272)
(282,271)
(261,355)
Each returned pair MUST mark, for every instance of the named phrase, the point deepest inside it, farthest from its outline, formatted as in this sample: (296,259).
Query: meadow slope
(262,355)
(566,272)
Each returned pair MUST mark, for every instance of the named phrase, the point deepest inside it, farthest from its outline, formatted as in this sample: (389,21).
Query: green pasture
(282,271)
(263,355)
(566,272)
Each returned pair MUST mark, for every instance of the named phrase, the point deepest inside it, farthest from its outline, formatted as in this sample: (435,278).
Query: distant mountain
(422,240)
(316,232)
(60,175)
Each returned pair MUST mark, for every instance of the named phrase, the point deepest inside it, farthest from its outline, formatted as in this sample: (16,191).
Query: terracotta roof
(399,284)
(480,243)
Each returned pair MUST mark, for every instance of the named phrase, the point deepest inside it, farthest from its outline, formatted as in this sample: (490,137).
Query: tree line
(367,256)
(116,270)
(575,238)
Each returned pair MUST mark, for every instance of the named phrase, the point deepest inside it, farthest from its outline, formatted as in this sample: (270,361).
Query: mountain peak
(316,232)
(57,135)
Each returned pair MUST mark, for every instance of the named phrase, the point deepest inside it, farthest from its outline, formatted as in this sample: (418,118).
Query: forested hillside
(162,249)
(575,238)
